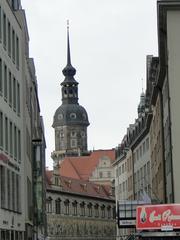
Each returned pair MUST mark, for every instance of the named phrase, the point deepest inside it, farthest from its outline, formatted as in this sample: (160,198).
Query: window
(73,143)
(147,144)
(1,78)
(61,144)
(116,172)
(8,189)
(148,168)
(58,206)
(109,174)
(1,130)
(9,38)
(18,193)
(123,168)
(28,143)
(19,145)
(11,138)
(137,154)
(96,208)
(123,186)
(120,188)
(10,89)
(134,156)
(119,169)
(130,163)
(4,30)
(3,188)
(140,151)
(13,191)
(73,134)
(103,211)
(73,115)
(61,134)
(5,82)
(83,134)
(66,204)
(109,211)
(74,204)
(89,206)
(17,52)
(144,147)
(82,207)
(18,99)
(145,174)
(56,181)
(49,205)
(13,45)
(6,134)
(114,212)
(15,142)
(14,94)
(100,174)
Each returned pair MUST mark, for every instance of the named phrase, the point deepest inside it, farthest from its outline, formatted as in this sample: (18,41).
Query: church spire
(69,71)
(69,85)
(68,46)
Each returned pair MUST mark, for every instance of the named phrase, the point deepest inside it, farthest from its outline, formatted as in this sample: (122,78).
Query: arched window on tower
(65,92)
(70,93)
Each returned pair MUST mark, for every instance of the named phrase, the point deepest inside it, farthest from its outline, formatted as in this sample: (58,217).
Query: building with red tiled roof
(79,208)
(97,167)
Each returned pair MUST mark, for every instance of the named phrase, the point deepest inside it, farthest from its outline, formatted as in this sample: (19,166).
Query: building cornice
(51,190)
(143,132)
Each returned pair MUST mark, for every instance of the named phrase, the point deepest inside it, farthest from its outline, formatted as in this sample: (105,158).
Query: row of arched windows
(75,208)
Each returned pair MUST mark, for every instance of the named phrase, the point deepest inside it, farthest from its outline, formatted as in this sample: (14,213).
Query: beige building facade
(20,124)
(156,143)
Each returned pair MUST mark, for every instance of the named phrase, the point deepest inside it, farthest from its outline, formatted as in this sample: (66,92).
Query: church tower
(70,119)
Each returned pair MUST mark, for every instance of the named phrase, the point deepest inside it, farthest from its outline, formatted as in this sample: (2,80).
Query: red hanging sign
(164,217)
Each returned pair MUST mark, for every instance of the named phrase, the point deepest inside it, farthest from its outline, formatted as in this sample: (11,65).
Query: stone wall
(62,227)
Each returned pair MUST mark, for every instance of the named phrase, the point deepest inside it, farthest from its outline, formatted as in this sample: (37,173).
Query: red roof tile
(80,187)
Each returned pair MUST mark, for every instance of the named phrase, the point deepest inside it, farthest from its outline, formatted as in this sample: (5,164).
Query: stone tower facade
(70,119)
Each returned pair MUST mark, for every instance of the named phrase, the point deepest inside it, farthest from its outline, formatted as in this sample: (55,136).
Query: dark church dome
(69,115)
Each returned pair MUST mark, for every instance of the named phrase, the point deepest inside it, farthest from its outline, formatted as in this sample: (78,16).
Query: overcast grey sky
(109,43)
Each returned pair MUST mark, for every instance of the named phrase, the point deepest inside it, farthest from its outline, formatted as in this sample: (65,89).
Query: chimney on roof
(84,186)
(97,188)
